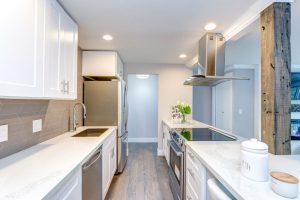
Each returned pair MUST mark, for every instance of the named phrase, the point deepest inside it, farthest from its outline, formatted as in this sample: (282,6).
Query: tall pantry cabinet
(38,54)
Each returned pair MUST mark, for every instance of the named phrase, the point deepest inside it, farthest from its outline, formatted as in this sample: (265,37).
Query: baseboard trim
(160,152)
(142,140)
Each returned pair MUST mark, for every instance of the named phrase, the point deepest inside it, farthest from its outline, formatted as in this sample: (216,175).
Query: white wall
(295,32)
(243,111)
(245,50)
(143,108)
(170,87)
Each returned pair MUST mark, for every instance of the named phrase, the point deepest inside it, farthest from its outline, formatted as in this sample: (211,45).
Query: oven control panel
(177,139)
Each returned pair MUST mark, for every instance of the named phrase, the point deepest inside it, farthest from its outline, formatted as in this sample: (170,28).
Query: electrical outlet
(36,125)
(3,133)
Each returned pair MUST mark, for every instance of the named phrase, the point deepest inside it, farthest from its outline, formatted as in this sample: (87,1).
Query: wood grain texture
(275,77)
(145,176)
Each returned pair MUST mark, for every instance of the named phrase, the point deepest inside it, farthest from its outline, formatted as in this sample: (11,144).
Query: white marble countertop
(189,124)
(222,159)
(32,173)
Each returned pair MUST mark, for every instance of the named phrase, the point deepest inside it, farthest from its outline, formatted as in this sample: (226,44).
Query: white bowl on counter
(284,184)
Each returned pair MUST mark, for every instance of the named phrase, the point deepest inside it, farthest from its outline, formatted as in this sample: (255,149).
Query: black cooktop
(203,134)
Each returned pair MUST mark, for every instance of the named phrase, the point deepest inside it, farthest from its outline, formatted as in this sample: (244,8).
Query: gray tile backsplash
(19,114)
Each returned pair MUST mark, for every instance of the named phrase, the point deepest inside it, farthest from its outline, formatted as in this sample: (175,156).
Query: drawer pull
(191,155)
(189,197)
(191,172)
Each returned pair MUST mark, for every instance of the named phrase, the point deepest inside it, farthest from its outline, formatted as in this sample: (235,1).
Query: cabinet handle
(191,172)
(65,87)
(191,155)
(68,87)
(113,153)
(63,83)
(189,197)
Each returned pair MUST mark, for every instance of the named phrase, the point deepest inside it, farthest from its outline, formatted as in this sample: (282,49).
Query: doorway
(142,108)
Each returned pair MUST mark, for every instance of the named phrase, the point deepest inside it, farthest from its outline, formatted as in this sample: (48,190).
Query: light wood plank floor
(144,178)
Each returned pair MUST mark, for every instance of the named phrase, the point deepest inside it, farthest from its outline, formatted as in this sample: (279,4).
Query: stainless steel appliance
(211,62)
(106,104)
(177,157)
(176,170)
(92,177)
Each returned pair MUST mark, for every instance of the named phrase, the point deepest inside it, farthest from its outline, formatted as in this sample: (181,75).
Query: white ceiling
(151,31)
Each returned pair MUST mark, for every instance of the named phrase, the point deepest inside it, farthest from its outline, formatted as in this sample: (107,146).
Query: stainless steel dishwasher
(92,177)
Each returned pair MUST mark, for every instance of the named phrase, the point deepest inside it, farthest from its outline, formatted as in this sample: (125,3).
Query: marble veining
(36,171)
(222,159)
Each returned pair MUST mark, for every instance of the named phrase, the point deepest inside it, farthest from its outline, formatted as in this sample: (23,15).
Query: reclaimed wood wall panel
(275,77)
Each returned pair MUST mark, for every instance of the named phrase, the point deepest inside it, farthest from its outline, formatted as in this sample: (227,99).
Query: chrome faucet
(74,114)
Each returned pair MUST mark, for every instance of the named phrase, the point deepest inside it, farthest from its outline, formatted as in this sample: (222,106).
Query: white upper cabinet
(60,53)
(53,37)
(38,51)
(69,50)
(21,48)
(102,64)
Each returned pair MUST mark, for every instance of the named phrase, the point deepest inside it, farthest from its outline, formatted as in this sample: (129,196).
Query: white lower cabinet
(195,177)
(69,189)
(166,145)
(109,161)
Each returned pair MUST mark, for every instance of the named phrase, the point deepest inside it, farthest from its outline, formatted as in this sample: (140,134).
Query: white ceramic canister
(255,160)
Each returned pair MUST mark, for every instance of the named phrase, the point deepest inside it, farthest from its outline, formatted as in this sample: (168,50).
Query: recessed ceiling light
(182,56)
(210,26)
(142,76)
(107,37)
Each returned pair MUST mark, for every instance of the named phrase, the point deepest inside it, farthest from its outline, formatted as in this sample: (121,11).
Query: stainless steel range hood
(211,62)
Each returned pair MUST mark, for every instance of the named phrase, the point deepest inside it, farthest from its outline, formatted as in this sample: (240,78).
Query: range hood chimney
(211,62)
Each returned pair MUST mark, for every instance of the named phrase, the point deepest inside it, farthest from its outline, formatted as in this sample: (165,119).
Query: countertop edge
(109,132)
(17,157)
(218,176)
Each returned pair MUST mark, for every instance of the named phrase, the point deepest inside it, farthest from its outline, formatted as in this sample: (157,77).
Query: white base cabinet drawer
(195,177)
(166,146)
(191,194)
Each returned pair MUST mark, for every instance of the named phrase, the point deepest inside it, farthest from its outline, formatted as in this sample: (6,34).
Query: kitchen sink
(92,132)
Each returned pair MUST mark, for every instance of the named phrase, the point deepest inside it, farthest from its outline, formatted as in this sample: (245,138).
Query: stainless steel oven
(176,170)
(177,151)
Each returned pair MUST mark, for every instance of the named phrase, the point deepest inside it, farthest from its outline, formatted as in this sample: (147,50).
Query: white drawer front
(190,193)
(194,184)
(195,176)
(194,163)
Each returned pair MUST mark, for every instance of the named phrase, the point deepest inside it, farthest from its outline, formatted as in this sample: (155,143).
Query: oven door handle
(178,153)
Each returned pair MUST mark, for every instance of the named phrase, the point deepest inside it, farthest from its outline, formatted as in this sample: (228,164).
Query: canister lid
(255,146)
(285,177)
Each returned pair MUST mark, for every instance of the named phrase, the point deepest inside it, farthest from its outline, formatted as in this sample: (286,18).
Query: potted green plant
(184,109)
